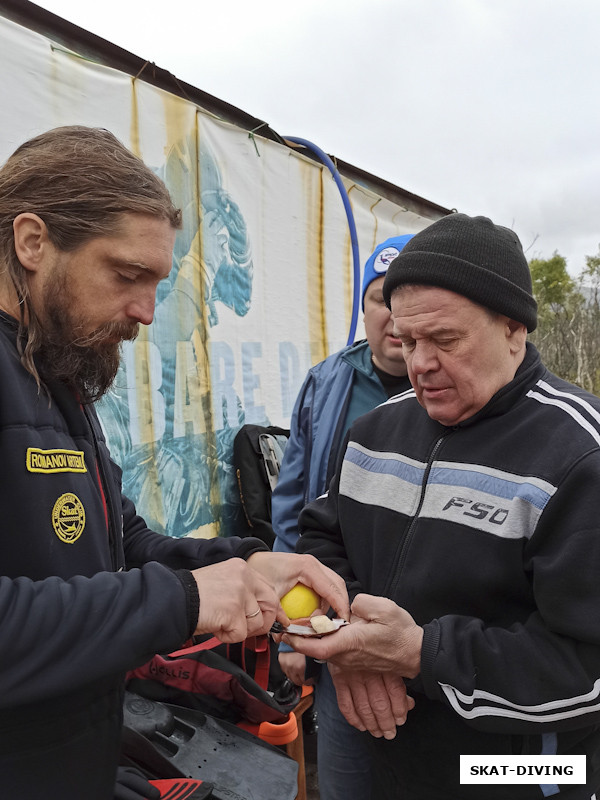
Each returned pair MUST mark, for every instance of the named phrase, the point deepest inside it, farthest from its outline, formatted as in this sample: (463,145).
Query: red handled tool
(183,789)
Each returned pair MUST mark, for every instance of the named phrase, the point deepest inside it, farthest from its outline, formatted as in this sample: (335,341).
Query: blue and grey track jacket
(488,533)
(334,393)
(86,590)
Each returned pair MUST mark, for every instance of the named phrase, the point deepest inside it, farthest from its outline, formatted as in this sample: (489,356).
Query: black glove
(131,785)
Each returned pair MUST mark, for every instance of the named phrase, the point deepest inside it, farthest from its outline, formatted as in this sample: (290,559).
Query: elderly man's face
(458,354)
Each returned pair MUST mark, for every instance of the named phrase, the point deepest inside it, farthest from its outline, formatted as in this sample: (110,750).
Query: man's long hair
(79,181)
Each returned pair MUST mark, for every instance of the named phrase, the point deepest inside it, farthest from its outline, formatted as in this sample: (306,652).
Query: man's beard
(88,363)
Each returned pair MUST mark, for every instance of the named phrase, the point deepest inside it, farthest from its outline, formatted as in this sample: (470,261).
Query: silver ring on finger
(254,613)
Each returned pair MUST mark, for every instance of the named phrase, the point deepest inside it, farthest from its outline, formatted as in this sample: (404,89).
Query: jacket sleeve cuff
(248,546)
(192,598)
(429,651)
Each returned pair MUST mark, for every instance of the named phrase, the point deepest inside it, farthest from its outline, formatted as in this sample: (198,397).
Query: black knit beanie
(472,257)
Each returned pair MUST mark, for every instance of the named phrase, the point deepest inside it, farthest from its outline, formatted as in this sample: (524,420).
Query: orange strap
(258,644)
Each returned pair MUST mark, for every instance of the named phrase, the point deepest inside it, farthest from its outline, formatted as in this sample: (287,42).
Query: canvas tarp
(261,286)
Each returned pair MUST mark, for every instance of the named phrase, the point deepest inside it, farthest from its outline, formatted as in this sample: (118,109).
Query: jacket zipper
(399,564)
(112,528)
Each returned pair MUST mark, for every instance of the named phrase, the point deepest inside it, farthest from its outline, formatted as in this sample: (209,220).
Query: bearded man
(87,591)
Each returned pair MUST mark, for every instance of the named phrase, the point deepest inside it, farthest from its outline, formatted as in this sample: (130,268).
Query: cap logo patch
(385,258)
(68,518)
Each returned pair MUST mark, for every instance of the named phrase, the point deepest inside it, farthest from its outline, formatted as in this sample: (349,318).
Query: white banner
(261,286)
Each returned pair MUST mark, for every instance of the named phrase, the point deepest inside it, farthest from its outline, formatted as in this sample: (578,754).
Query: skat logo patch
(55,460)
(68,518)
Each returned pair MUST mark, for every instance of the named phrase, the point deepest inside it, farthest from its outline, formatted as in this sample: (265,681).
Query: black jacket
(488,533)
(87,591)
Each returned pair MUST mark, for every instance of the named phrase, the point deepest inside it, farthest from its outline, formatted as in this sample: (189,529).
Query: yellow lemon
(300,601)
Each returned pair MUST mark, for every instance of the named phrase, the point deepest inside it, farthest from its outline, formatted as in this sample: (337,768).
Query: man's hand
(382,637)
(285,570)
(235,601)
(294,667)
(372,701)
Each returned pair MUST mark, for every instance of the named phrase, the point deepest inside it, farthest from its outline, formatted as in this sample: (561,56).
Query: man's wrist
(412,660)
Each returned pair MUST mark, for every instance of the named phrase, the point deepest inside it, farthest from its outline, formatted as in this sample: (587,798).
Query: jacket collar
(358,355)
(8,323)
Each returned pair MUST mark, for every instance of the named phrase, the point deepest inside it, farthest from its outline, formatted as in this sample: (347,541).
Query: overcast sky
(487,106)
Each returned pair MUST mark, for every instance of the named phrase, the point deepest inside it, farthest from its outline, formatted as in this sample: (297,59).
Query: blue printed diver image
(463,516)
(88,591)
(212,266)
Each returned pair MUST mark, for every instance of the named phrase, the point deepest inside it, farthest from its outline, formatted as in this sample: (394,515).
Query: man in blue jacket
(464,519)
(334,393)
(87,591)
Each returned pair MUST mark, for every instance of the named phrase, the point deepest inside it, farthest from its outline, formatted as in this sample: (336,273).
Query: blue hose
(351,224)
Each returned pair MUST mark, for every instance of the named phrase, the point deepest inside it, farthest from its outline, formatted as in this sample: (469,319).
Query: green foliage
(552,285)
(568,329)
(591,275)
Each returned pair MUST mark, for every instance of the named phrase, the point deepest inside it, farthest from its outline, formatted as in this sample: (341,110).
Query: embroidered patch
(55,460)
(68,518)
(384,259)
